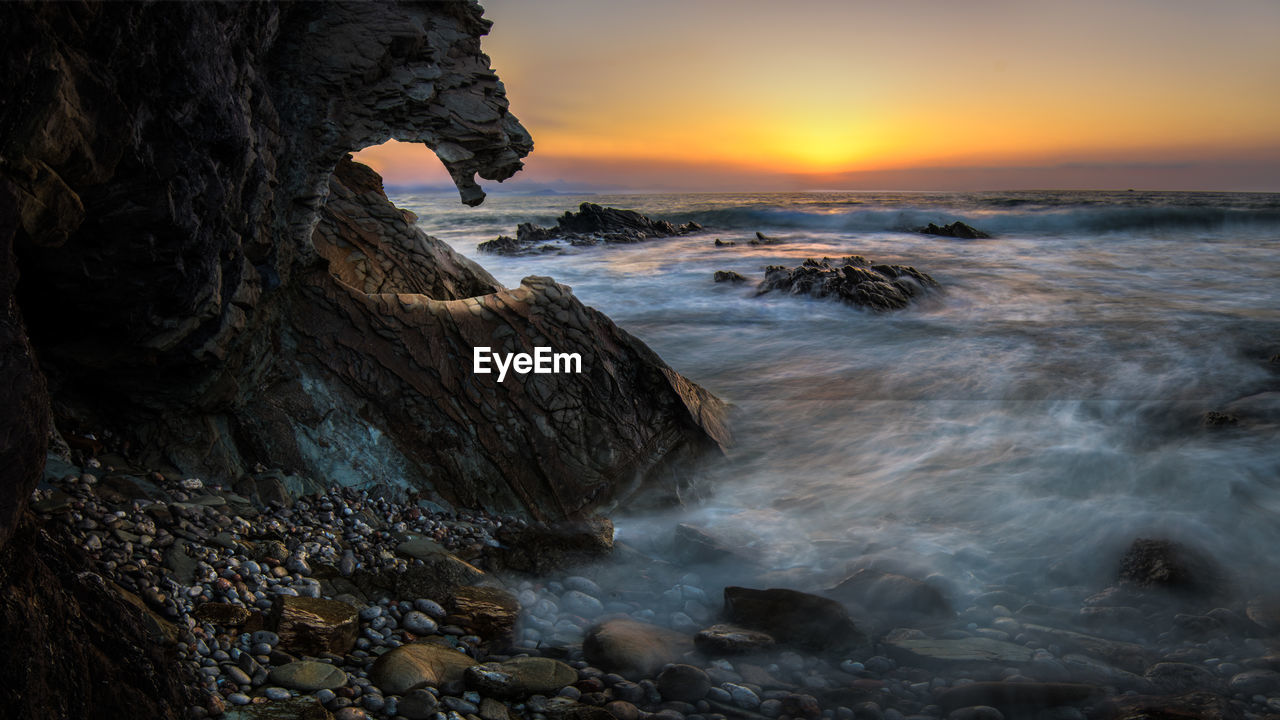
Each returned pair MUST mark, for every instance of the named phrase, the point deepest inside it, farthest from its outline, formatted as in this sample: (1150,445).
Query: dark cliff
(167,168)
(179,262)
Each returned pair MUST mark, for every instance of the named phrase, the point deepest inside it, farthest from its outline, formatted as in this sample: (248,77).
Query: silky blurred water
(1040,412)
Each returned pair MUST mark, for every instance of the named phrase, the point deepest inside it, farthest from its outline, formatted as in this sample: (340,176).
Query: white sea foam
(1042,411)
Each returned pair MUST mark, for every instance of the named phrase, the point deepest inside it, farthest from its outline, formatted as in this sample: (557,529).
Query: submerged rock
(852,279)
(913,648)
(793,617)
(540,548)
(956,229)
(731,640)
(591,225)
(891,594)
(1167,565)
(728,276)
(1017,697)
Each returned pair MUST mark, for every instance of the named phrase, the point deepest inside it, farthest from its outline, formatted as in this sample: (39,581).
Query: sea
(1018,428)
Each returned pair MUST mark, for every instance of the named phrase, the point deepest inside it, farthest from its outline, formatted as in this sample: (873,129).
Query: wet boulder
(851,279)
(891,594)
(957,229)
(793,617)
(1171,566)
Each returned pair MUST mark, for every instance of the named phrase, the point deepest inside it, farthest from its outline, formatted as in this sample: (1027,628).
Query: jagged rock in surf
(852,279)
(956,229)
(591,225)
(728,276)
(1167,565)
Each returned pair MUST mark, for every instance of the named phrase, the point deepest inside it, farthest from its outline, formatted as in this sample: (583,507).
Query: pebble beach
(380,604)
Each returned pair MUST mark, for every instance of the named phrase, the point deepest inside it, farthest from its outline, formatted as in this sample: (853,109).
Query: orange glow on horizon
(750,86)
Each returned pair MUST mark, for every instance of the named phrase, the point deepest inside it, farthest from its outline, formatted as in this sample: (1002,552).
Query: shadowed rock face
(383,338)
(177,259)
(193,272)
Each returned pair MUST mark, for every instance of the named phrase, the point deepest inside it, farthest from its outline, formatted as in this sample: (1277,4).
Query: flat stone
(224,614)
(684,683)
(1015,697)
(416,665)
(521,677)
(298,708)
(633,649)
(421,549)
(1127,656)
(731,640)
(308,676)
(312,626)
(892,594)
(933,652)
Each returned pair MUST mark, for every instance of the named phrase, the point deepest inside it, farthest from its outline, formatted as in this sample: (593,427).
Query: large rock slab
(416,665)
(910,648)
(298,708)
(439,575)
(541,548)
(312,626)
(75,646)
(793,617)
(489,612)
(1016,697)
(521,677)
(891,594)
(633,649)
(308,676)
(1128,656)
(852,279)
(1198,705)
(731,640)
(1168,565)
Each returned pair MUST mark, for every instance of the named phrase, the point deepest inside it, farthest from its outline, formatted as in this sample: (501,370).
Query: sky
(755,95)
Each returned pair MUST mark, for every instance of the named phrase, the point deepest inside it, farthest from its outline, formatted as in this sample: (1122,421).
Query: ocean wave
(1039,222)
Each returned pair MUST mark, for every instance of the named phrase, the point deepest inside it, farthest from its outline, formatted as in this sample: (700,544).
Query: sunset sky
(762,95)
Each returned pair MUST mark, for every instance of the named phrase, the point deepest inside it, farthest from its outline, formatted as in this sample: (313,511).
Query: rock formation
(852,279)
(957,229)
(193,270)
(179,263)
(591,225)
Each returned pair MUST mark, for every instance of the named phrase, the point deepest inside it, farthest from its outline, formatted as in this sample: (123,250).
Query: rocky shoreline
(375,603)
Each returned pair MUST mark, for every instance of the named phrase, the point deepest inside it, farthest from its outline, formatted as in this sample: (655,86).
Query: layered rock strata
(177,263)
(192,272)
